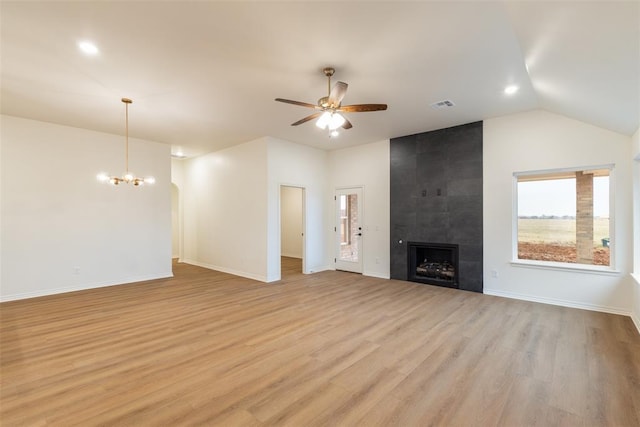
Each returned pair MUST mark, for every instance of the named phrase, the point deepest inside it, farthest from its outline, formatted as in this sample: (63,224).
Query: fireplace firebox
(433,264)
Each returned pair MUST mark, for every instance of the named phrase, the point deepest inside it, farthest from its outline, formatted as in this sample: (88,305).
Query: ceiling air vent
(442,104)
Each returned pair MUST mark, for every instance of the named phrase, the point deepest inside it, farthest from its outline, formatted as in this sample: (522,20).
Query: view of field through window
(547,211)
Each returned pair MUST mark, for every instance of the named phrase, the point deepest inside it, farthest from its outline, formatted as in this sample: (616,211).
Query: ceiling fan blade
(358,108)
(347,124)
(302,104)
(306,119)
(338,92)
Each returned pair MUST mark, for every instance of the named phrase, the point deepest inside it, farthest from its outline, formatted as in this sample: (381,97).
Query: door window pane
(349,243)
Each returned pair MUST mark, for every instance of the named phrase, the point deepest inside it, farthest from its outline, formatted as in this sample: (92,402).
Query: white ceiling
(204,75)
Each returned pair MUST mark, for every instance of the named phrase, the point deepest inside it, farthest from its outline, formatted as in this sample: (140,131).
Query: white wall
(231,207)
(300,166)
(635,155)
(62,230)
(540,140)
(225,210)
(367,166)
(291,222)
(175,221)
(177,179)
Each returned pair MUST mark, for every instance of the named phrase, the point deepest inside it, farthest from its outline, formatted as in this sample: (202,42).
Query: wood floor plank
(328,349)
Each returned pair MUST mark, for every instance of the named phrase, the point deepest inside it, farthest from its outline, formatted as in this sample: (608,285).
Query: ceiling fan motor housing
(323,102)
(328,71)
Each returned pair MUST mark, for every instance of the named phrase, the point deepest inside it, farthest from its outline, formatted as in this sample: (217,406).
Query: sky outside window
(558,197)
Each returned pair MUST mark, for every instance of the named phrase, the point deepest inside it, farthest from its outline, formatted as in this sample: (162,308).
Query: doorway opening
(292,239)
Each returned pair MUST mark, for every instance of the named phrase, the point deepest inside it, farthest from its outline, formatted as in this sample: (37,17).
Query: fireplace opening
(433,263)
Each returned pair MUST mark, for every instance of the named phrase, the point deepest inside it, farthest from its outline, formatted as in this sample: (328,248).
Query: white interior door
(348,229)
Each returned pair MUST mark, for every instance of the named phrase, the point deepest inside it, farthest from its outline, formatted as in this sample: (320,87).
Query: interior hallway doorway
(291,230)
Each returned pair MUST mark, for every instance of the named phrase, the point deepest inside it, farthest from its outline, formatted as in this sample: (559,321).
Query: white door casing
(349,220)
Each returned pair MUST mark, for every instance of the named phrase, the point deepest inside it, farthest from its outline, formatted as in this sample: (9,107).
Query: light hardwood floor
(330,349)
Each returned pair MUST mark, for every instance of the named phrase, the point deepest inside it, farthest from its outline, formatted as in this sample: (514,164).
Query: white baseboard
(84,287)
(365,273)
(560,302)
(317,269)
(291,255)
(227,270)
(378,275)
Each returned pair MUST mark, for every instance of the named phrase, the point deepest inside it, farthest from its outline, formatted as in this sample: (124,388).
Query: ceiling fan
(329,107)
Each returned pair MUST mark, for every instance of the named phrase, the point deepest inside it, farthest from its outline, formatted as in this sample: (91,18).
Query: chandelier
(127,177)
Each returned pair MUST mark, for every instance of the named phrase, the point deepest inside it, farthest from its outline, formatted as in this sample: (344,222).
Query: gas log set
(436,270)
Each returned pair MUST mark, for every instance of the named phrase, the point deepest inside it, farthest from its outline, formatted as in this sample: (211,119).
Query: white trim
(565,266)
(609,166)
(85,287)
(336,244)
(560,302)
(636,321)
(319,269)
(377,275)
(231,271)
(635,314)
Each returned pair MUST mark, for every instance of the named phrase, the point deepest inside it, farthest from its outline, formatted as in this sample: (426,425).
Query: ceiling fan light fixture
(329,107)
(324,120)
(336,121)
(331,120)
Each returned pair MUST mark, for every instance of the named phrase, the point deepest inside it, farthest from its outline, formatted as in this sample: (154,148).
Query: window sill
(568,267)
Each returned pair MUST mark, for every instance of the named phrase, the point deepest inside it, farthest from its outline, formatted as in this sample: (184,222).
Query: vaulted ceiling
(204,75)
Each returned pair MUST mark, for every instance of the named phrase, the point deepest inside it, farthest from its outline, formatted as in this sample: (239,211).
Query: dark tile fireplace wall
(436,197)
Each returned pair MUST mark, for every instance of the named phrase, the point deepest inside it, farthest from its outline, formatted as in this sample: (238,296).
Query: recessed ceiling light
(178,155)
(88,48)
(510,90)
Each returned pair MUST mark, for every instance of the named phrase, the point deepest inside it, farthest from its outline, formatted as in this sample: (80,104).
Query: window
(345,231)
(563,216)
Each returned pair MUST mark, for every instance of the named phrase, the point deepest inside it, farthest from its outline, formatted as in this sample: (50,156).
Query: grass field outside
(558,231)
(554,239)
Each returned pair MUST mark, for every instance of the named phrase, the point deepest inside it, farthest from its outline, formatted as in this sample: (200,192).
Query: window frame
(565,266)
